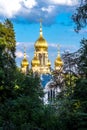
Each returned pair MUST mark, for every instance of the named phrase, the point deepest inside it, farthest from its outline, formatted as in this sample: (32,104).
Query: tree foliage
(80,17)
(7,60)
(21,96)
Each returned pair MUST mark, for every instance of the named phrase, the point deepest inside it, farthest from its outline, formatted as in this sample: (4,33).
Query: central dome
(41,44)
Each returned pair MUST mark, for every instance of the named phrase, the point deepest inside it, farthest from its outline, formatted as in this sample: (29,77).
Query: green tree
(25,110)
(7,60)
(80,17)
(82,62)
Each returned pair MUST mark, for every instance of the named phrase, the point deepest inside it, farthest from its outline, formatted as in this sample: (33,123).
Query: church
(40,62)
(42,65)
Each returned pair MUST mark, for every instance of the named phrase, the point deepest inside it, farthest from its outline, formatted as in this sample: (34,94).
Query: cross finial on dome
(24,52)
(24,49)
(40,27)
(58,49)
(41,20)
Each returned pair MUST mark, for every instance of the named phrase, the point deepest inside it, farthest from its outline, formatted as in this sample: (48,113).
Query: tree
(23,111)
(80,17)
(70,67)
(7,58)
(82,62)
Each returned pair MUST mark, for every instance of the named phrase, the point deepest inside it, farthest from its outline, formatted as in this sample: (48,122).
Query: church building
(42,65)
(40,62)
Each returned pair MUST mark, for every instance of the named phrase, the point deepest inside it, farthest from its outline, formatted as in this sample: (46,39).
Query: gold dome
(24,61)
(35,61)
(41,43)
(58,61)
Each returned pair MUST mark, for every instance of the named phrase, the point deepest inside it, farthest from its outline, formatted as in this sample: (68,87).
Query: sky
(58,26)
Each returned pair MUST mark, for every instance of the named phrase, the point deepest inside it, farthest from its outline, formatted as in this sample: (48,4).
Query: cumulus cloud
(19,54)
(48,9)
(63,47)
(31,10)
(64,2)
(11,8)
(83,31)
(53,45)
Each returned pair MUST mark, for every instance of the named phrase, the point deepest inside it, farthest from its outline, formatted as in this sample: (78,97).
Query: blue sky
(58,27)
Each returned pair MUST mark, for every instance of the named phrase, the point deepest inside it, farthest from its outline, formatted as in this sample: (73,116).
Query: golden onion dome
(41,43)
(49,63)
(24,61)
(35,61)
(58,61)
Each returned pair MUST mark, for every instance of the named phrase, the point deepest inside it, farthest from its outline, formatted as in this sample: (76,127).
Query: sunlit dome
(41,44)
(58,61)
(35,61)
(24,61)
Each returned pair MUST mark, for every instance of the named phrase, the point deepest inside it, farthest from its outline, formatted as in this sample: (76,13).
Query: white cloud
(64,2)
(48,9)
(29,3)
(30,10)
(53,45)
(83,31)
(18,43)
(11,8)
(19,54)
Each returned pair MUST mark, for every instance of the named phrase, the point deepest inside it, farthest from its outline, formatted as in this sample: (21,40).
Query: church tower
(58,62)
(40,62)
(24,64)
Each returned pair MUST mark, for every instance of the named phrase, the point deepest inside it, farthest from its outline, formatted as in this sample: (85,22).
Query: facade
(40,62)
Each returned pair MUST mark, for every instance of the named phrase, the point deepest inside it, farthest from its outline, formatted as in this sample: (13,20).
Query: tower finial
(58,49)
(24,52)
(24,49)
(40,27)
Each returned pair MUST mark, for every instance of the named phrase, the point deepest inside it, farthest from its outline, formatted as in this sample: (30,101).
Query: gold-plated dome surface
(24,61)
(35,61)
(41,43)
(58,61)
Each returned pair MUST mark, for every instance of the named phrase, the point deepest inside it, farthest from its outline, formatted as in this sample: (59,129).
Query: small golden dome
(35,61)
(24,61)
(41,43)
(58,61)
